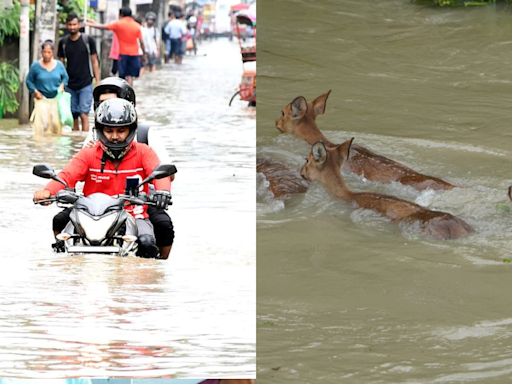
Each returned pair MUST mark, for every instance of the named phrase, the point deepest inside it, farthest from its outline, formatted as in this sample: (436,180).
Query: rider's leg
(60,221)
(146,241)
(164,252)
(164,230)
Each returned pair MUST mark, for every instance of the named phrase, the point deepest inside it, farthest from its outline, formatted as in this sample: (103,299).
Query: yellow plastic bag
(45,117)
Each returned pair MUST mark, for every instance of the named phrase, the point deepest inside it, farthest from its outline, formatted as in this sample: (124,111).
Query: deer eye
(282,113)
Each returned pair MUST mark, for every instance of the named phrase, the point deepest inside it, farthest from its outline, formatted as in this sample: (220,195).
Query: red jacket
(86,166)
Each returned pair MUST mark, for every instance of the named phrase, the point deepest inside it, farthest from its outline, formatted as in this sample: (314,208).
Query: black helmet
(113,85)
(150,15)
(115,113)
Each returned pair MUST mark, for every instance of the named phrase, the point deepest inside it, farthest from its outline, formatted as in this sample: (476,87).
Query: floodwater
(343,294)
(94,316)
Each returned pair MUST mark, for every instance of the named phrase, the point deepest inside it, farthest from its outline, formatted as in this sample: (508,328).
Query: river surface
(344,295)
(94,316)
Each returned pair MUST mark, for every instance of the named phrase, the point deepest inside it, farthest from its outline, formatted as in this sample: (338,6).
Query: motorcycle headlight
(96,228)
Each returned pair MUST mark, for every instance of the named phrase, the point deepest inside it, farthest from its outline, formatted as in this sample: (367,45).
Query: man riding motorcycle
(105,167)
(115,87)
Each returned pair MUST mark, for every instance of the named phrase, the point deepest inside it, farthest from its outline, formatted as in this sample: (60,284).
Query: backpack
(85,38)
(142,134)
(165,36)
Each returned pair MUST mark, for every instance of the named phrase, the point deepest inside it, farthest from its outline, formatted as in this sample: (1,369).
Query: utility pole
(23,114)
(45,25)
(110,14)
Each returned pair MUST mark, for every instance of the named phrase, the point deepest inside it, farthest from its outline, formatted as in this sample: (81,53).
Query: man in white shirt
(176,29)
(151,41)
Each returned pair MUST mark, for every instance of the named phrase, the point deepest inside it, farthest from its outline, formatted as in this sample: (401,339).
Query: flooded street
(343,293)
(95,316)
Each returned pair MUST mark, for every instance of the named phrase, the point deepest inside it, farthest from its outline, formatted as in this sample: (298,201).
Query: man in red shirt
(129,35)
(105,167)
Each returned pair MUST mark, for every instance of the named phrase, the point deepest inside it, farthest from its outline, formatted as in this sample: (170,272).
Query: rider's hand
(90,143)
(42,194)
(162,199)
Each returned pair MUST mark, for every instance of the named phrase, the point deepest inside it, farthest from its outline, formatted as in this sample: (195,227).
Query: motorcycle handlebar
(141,200)
(63,197)
(50,200)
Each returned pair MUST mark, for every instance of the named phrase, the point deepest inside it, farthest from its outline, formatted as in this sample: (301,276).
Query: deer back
(323,164)
(299,118)
(282,179)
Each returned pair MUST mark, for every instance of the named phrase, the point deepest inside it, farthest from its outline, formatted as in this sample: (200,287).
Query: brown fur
(283,180)
(323,164)
(299,118)
(236,381)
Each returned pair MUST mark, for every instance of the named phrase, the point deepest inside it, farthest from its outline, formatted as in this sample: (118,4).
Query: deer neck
(337,186)
(309,131)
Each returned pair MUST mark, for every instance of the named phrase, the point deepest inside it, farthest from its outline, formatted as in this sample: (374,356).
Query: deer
(323,164)
(283,180)
(299,118)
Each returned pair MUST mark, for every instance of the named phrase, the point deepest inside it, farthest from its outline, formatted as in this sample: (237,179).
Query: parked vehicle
(247,87)
(222,24)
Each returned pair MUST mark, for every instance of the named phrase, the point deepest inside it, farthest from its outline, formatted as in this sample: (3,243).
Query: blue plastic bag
(64,106)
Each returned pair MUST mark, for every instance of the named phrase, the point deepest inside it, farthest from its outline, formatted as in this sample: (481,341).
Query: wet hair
(72,16)
(48,43)
(125,11)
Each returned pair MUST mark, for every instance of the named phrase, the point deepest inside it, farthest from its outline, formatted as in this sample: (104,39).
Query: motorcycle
(99,223)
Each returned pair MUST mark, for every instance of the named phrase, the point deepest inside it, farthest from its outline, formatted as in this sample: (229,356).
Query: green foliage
(9,84)
(458,3)
(65,7)
(446,3)
(476,3)
(10,22)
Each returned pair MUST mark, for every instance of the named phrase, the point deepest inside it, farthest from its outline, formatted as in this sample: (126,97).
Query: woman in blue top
(45,77)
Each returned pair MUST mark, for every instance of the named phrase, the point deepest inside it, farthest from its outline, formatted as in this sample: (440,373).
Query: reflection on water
(343,293)
(190,316)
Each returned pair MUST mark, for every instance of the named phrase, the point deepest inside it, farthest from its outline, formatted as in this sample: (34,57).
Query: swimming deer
(324,163)
(299,118)
(283,180)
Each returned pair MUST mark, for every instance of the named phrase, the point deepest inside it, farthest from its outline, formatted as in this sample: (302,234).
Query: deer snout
(304,172)
(278,125)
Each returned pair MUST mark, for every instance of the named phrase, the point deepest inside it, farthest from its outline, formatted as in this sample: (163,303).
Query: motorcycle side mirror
(161,171)
(46,172)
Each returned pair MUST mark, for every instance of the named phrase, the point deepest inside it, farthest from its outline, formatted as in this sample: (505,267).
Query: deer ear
(344,149)
(319,103)
(319,152)
(510,193)
(299,107)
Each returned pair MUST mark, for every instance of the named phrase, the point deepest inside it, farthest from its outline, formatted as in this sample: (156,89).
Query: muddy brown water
(94,316)
(343,294)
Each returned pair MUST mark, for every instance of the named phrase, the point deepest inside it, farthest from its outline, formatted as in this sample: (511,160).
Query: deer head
(325,161)
(301,112)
